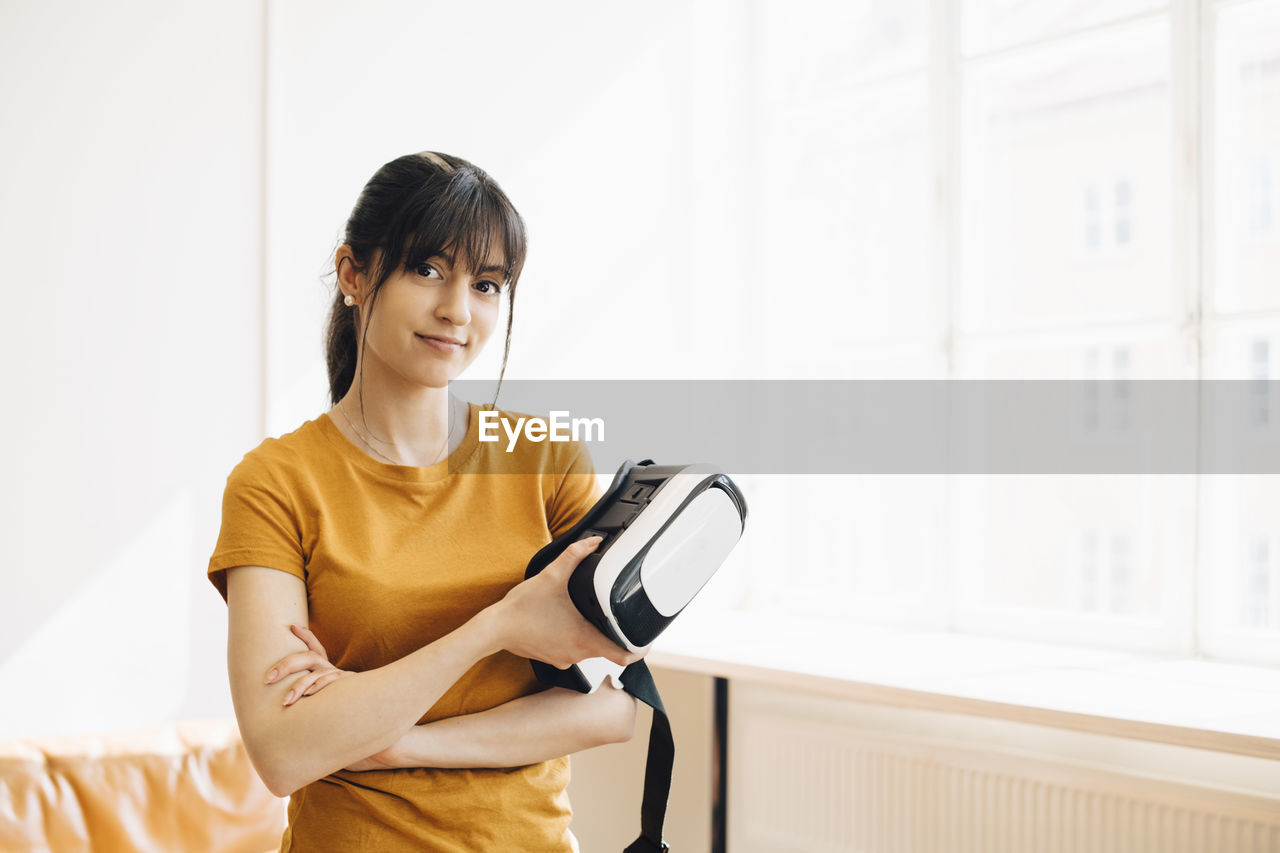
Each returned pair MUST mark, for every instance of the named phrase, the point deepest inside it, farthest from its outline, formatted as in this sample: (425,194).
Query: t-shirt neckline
(440,471)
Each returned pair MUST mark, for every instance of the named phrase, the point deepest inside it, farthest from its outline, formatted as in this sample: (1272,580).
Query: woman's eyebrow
(496,268)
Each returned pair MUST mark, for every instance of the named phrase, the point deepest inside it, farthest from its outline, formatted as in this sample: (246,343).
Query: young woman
(379,532)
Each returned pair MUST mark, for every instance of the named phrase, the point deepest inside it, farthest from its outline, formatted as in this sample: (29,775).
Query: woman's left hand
(387,759)
(320,674)
(314,661)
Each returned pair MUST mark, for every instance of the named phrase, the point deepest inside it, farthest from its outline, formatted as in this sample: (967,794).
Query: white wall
(164,246)
(131,227)
(609,126)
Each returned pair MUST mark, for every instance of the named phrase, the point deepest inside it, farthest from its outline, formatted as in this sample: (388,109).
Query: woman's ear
(351,279)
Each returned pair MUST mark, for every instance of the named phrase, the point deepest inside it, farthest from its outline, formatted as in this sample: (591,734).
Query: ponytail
(340,348)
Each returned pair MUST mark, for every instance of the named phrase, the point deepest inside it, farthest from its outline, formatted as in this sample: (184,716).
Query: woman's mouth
(444,345)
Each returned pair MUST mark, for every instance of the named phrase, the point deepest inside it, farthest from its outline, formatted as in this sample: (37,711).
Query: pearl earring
(348,300)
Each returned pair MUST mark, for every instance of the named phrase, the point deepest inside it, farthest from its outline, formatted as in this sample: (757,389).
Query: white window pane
(907,357)
(843,224)
(1243,348)
(811,48)
(1090,559)
(1156,352)
(1247,157)
(843,212)
(1240,584)
(992,24)
(836,545)
(1066,183)
(1240,551)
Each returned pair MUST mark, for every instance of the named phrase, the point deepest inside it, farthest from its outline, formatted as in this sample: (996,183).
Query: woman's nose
(453,303)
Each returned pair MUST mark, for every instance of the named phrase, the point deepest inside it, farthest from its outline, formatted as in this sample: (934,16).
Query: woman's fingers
(619,655)
(301,687)
(325,680)
(315,656)
(589,642)
(542,623)
(562,566)
(313,643)
(313,683)
(296,662)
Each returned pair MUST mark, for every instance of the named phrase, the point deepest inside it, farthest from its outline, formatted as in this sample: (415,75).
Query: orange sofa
(184,788)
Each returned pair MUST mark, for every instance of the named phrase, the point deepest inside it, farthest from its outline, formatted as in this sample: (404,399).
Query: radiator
(818,776)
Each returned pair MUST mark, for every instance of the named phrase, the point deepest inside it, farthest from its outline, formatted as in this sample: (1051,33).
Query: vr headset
(666,529)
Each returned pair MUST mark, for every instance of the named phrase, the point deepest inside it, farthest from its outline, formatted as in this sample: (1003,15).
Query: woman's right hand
(314,661)
(539,621)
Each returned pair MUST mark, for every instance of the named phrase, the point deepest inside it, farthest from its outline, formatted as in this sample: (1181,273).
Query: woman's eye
(428,271)
(488,287)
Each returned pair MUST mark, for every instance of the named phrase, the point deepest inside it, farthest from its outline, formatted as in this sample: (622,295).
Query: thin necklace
(367,443)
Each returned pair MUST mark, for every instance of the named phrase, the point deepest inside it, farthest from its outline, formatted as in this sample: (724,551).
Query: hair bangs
(468,218)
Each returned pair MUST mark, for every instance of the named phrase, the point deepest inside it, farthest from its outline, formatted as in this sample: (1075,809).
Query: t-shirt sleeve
(576,492)
(259,526)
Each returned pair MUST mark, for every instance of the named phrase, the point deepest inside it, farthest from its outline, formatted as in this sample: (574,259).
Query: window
(1261,587)
(1107,408)
(1103,576)
(1018,198)
(1244,137)
(842,127)
(1260,370)
(1108,219)
(1071,124)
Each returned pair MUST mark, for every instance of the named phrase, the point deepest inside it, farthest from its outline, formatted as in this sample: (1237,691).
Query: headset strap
(638,681)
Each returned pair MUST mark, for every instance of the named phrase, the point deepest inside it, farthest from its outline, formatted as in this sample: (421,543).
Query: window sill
(1223,707)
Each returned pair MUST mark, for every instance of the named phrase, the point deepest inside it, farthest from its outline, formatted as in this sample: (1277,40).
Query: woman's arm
(355,716)
(360,715)
(527,730)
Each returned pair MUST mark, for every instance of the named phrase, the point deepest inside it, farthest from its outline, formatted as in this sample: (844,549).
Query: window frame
(1183,627)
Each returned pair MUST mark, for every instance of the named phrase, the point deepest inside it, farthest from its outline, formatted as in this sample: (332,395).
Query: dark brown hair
(413,208)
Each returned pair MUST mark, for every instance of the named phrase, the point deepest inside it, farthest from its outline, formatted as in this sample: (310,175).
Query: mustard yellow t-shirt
(395,557)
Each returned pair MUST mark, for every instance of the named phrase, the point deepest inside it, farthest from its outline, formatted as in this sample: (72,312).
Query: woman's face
(431,321)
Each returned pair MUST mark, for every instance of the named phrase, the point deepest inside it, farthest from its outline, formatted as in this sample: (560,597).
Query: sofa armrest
(186,786)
